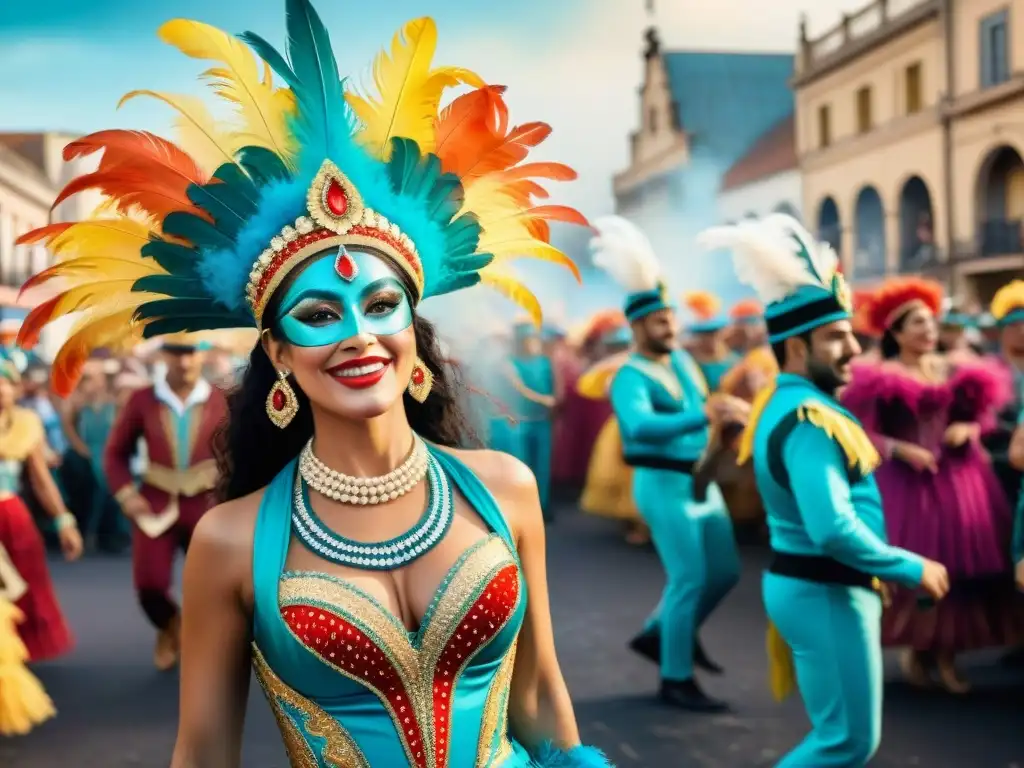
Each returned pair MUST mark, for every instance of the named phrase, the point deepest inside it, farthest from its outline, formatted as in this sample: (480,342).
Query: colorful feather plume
(1008,299)
(746,309)
(702,304)
(182,225)
(625,253)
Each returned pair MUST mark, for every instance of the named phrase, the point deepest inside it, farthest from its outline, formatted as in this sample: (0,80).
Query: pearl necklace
(348,489)
(437,518)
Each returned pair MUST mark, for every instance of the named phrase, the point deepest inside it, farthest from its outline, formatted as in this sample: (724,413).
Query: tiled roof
(773,153)
(726,101)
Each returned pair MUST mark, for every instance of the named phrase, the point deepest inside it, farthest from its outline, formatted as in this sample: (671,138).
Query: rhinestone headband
(335,216)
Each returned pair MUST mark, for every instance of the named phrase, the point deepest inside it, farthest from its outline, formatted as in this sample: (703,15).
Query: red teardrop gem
(278,400)
(336,199)
(345,266)
(417,376)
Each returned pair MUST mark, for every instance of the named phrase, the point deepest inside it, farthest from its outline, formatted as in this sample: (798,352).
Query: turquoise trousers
(695,544)
(834,633)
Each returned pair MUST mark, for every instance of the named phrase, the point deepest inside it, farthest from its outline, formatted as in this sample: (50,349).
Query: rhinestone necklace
(381,556)
(348,489)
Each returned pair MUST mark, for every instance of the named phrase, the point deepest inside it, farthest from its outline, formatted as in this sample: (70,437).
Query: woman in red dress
(26,579)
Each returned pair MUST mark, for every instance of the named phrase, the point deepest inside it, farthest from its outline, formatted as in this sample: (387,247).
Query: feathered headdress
(1008,304)
(796,277)
(747,311)
(894,298)
(705,308)
(198,236)
(625,253)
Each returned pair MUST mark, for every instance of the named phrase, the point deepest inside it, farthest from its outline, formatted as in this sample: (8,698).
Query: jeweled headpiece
(796,277)
(199,236)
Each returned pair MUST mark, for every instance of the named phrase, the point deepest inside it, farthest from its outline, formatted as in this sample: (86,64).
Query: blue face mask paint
(322,307)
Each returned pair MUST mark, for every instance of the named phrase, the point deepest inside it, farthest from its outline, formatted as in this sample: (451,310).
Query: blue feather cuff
(550,756)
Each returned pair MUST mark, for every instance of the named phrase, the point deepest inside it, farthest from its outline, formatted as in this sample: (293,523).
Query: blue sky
(576,64)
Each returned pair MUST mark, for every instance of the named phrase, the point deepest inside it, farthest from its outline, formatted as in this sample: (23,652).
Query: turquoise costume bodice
(94,424)
(351,686)
(714,371)
(10,476)
(537,374)
(660,409)
(816,503)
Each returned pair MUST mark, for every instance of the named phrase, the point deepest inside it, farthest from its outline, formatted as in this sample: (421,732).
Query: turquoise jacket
(660,410)
(816,503)
(714,371)
(537,374)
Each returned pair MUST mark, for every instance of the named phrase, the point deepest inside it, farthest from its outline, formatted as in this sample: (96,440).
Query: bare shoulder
(502,473)
(509,480)
(228,529)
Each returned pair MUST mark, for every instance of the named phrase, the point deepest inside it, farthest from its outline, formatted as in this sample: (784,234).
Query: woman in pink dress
(942,501)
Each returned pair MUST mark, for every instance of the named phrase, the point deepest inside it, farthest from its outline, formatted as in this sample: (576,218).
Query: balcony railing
(860,27)
(1002,237)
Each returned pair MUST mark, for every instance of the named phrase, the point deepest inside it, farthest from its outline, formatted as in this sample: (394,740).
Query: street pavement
(116,711)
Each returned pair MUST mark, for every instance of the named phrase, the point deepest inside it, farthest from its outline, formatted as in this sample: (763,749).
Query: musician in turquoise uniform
(813,463)
(533,379)
(660,400)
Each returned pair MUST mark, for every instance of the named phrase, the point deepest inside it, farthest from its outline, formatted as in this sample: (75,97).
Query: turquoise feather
(805,255)
(176,324)
(172,285)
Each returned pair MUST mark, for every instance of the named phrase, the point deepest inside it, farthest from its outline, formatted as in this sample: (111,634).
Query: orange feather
(35,321)
(91,335)
(545,170)
(469,120)
(47,233)
(137,169)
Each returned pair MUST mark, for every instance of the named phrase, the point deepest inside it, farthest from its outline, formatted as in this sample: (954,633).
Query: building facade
(699,113)
(910,138)
(766,179)
(32,171)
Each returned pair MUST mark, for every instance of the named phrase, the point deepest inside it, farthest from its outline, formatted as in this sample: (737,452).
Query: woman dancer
(390,591)
(941,497)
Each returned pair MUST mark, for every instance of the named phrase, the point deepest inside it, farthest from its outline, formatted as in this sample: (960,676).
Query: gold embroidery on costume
(356,636)
(22,435)
(339,751)
(494,724)
(860,451)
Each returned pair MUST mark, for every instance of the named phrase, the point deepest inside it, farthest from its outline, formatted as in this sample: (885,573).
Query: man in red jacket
(177,419)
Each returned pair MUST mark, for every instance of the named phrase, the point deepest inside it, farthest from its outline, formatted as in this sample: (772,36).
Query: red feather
(137,169)
(47,233)
(33,324)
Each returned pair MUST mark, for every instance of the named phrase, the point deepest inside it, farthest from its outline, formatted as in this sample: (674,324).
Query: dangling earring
(420,382)
(282,405)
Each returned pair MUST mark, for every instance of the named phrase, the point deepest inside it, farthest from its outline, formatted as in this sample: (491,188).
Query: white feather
(625,253)
(767,258)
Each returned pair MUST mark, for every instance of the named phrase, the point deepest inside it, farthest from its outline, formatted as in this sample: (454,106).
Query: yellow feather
(113,238)
(408,90)
(515,291)
(264,115)
(198,133)
(116,327)
(851,437)
(527,246)
(99,267)
(98,292)
(746,446)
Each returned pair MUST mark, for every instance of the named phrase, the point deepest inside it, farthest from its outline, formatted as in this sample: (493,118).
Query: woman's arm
(215,656)
(539,705)
(48,495)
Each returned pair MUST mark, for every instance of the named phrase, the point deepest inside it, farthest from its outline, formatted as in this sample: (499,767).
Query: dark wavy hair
(889,347)
(250,450)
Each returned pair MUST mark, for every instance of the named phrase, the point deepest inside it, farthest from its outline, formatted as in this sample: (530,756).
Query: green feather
(197,231)
(171,285)
(166,325)
(174,258)
(262,165)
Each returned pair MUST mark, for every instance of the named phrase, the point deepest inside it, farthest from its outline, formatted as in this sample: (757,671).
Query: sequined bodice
(351,686)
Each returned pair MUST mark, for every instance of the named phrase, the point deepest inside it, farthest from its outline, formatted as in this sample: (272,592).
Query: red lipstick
(360,373)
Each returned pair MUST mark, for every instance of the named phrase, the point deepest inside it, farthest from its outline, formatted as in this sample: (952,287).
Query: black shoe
(648,645)
(686,694)
(701,660)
